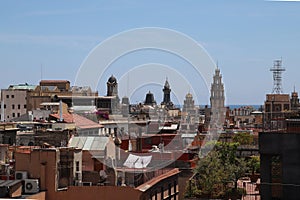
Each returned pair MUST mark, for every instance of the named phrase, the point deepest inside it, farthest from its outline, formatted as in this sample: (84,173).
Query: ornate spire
(167,95)
(167,85)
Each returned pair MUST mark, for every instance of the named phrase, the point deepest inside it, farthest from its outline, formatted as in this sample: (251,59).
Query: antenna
(127,89)
(277,70)
(41,71)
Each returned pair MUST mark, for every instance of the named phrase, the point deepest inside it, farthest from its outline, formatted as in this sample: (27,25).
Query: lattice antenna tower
(277,70)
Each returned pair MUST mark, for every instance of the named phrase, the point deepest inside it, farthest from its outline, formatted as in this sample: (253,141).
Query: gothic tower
(112,86)
(217,91)
(217,100)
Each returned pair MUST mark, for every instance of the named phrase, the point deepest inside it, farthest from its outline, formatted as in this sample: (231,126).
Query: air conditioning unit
(21,175)
(31,186)
(78,183)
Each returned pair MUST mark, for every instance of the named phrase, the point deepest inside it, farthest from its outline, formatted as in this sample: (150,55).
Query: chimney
(60,111)
(139,146)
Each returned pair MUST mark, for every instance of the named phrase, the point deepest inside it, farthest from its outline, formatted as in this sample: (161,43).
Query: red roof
(80,121)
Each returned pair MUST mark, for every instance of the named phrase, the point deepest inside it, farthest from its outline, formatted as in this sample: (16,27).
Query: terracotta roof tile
(80,121)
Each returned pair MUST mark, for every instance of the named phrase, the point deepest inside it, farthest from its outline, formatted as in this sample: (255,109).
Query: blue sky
(245,37)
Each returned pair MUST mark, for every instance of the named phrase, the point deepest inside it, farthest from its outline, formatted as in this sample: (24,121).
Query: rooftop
(80,121)
(89,143)
(54,81)
(22,87)
(157,179)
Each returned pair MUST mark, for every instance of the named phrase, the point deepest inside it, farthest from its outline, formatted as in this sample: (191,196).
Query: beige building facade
(13,104)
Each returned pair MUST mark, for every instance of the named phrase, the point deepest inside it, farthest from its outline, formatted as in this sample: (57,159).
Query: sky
(52,39)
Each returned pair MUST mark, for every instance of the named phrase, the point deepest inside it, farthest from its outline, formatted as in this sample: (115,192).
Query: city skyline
(51,40)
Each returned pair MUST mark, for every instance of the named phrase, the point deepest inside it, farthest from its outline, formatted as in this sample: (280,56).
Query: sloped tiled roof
(80,121)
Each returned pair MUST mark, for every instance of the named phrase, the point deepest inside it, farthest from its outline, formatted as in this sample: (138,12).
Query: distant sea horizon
(233,106)
(256,107)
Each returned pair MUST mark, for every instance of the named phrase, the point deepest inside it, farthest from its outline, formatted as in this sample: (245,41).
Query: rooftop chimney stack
(60,111)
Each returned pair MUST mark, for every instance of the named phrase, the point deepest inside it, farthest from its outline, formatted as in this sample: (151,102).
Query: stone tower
(217,100)
(167,95)
(294,101)
(189,120)
(217,97)
(188,104)
(167,92)
(112,86)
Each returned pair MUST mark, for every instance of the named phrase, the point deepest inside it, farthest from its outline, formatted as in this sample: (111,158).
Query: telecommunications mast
(277,70)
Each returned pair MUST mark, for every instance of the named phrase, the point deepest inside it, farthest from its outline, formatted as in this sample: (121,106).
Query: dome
(189,95)
(112,79)
(149,99)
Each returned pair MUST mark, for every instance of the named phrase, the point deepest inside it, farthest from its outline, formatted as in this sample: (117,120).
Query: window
(7,116)
(7,96)
(77,166)
(175,189)
(18,115)
(268,108)
(155,195)
(24,106)
(286,106)
(12,96)
(13,115)
(4,106)
(19,106)
(13,106)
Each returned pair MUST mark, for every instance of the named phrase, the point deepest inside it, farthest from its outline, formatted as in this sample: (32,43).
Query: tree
(254,167)
(254,164)
(234,167)
(243,138)
(209,179)
(218,171)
